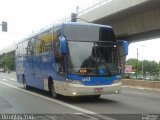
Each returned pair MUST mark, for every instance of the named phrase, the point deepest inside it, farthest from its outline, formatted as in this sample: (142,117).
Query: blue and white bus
(72,59)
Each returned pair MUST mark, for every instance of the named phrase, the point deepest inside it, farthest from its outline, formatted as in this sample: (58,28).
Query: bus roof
(86,24)
(59,25)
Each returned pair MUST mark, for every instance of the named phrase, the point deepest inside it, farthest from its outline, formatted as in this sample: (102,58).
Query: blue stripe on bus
(89,81)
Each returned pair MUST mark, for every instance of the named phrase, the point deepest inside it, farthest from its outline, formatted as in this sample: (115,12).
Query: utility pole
(137,65)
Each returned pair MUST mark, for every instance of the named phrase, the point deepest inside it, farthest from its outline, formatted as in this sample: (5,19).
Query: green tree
(135,63)
(146,66)
(153,68)
(7,62)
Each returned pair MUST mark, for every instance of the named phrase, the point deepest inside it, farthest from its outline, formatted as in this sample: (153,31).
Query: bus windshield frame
(93,58)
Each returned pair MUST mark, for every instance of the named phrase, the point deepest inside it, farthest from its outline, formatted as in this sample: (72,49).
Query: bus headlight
(118,76)
(74,81)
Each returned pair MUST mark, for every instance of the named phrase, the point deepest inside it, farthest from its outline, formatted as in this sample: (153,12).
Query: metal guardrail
(92,6)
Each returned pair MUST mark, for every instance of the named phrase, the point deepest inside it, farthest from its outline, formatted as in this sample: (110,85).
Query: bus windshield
(93,58)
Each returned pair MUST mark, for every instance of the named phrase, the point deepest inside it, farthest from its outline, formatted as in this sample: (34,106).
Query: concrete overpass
(132,20)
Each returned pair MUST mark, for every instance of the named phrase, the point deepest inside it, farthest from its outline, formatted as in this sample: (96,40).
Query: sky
(27,16)
(147,50)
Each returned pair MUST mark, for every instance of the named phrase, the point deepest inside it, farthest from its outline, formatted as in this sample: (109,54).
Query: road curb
(141,84)
(141,88)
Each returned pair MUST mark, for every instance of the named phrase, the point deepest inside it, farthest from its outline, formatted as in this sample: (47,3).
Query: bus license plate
(98,90)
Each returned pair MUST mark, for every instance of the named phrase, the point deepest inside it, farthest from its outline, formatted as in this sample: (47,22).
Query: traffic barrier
(146,84)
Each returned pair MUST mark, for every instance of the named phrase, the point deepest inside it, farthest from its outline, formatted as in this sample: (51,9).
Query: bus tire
(24,83)
(96,96)
(53,94)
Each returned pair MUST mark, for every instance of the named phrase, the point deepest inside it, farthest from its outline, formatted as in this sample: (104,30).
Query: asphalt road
(131,104)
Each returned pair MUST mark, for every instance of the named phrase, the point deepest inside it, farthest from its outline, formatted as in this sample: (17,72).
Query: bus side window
(30,47)
(44,42)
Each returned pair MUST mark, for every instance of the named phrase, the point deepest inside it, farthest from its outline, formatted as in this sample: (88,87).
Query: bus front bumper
(81,90)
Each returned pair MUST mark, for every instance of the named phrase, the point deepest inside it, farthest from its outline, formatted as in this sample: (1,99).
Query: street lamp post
(142,58)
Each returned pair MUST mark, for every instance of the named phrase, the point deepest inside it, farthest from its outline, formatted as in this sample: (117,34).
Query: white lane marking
(4,79)
(134,92)
(61,103)
(13,79)
(77,113)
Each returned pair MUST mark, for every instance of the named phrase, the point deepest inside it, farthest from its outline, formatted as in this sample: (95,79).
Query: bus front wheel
(96,96)
(52,90)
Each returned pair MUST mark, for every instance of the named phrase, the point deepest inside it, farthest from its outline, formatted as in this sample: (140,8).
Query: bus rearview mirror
(63,45)
(123,48)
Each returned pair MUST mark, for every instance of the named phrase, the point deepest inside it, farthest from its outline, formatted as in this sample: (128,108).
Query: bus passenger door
(60,70)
